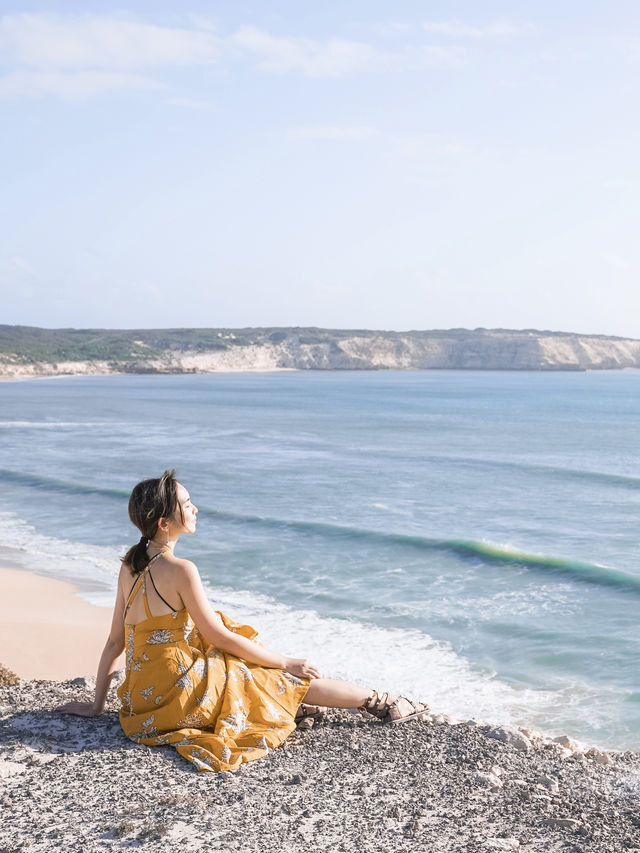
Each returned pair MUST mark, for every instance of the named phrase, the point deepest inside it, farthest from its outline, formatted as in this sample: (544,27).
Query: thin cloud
(70,86)
(500,28)
(336,57)
(100,41)
(333,58)
(78,56)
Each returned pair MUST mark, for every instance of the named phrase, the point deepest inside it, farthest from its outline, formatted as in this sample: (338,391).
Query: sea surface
(466,538)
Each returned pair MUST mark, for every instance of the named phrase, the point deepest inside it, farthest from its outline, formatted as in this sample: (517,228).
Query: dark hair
(150,501)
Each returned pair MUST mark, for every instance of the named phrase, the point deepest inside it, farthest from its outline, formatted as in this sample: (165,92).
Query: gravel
(347,783)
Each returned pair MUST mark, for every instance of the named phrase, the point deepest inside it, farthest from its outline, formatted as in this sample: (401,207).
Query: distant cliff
(29,351)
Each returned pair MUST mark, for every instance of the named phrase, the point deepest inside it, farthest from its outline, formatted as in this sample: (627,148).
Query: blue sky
(342,164)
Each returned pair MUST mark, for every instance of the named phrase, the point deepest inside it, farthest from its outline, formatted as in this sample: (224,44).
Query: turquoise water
(465,537)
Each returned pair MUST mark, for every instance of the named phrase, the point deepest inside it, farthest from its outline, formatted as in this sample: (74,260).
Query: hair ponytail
(150,501)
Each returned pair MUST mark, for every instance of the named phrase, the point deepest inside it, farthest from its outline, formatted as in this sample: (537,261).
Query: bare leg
(335,694)
(341,694)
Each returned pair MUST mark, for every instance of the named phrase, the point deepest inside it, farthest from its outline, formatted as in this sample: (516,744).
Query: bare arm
(107,666)
(212,628)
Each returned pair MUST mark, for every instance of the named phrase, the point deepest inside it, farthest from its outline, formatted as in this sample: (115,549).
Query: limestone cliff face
(320,349)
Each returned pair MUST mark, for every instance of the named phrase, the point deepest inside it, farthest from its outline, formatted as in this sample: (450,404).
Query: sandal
(306,712)
(390,712)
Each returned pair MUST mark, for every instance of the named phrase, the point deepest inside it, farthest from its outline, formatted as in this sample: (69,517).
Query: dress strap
(135,589)
(173,610)
(144,596)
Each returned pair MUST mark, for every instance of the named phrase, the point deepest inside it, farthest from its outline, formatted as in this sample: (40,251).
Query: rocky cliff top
(345,784)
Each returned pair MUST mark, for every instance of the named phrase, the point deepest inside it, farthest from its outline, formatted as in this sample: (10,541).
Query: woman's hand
(82,709)
(301,668)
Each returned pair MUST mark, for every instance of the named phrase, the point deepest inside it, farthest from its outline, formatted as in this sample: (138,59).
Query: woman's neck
(168,546)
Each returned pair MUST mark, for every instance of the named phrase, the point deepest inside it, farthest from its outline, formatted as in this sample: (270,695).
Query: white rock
(502,844)
(598,756)
(10,768)
(562,823)
(496,771)
(560,752)
(508,735)
(40,758)
(567,742)
(549,783)
(86,682)
(487,780)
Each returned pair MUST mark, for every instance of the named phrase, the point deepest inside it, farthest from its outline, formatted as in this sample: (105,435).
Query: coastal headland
(28,351)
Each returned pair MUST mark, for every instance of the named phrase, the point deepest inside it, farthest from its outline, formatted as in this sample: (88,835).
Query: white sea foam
(57,424)
(399,660)
(93,568)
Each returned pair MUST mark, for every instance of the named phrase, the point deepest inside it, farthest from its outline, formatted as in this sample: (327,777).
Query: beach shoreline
(47,631)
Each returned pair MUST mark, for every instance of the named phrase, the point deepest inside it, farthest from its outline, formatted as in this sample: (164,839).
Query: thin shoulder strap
(156,589)
(132,594)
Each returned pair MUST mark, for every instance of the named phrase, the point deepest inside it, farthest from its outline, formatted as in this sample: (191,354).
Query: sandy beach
(47,631)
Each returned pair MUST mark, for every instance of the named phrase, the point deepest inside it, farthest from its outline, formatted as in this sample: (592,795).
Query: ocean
(467,538)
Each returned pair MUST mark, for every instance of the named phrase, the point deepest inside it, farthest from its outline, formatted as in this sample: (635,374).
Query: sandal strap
(377,704)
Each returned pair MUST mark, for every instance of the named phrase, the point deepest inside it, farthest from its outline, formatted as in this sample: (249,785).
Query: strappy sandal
(306,712)
(379,706)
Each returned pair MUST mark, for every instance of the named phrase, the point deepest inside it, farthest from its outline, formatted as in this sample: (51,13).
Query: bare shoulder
(184,570)
(126,574)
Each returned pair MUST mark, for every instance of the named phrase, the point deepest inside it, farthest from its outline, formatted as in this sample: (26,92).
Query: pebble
(562,823)
(487,780)
(567,742)
(506,844)
(506,734)
(435,788)
(598,756)
(548,783)
(10,768)
(84,682)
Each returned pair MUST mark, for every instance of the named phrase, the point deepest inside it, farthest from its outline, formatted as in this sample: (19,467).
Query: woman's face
(189,511)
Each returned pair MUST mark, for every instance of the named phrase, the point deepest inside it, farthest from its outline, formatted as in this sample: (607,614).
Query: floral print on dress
(237,720)
(159,637)
(192,721)
(198,668)
(214,708)
(184,681)
(202,760)
(241,672)
(129,648)
(273,711)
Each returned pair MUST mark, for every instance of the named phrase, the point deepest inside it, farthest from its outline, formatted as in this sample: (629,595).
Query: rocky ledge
(343,784)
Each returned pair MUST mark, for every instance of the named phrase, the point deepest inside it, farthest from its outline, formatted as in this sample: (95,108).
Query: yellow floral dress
(214,708)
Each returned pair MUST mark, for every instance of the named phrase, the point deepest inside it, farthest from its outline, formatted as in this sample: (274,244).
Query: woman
(193,677)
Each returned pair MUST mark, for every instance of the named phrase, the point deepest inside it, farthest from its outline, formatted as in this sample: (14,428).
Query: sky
(352,164)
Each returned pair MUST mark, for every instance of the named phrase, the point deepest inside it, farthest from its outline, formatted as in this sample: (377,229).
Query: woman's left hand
(82,709)
(302,668)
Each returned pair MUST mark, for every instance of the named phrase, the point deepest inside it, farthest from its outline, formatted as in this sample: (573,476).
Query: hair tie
(143,541)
